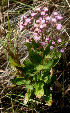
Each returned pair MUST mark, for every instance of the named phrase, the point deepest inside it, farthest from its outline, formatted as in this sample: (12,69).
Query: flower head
(55,13)
(27,40)
(43,43)
(33,14)
(44,25)
(59,40)
(37,21)
(51,47)
(42,13)
(47,39)
(38,9)
(42,21)
(40,18)
(28,20)
(54,20)
(36,29)
(36,25)
(59,17)
(62,50)
(36,38)
(59,26)
(47,18)
(35,33)
(21,25)
(41,26)
(53,42)
(45,9)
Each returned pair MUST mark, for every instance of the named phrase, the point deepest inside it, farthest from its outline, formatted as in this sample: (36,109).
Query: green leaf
(55,61)
(47,64)
(49,101)
(29,86)
(29,46)
(39,67)
(29,67)
(39,91)
(20,81)
(26,98)
(53,55)
(49,56)
(27,95)
(34,57)
(47,79)
(47,50)
(10,59)
(47,95)
(14,64)
(37,46)
(58,54)
(32,74)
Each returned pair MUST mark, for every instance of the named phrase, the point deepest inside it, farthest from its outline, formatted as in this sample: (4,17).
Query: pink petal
(51,47)
(47,18)
(45,9)
(54,20)
(43,43)
(42,13)
(55,13)
(47,38)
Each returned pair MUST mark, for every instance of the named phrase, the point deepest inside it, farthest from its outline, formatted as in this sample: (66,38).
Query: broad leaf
(20,81)
(34,57)
(39,67)
(29,67)
(28,86)
(55,61)
(39,91)
(47,95)
(29,46)
(47,79)
(47,50)
(49,101)
(47,64)
(37,46)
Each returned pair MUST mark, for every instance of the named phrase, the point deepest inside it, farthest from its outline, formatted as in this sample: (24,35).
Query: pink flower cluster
(39,23)
(58,42)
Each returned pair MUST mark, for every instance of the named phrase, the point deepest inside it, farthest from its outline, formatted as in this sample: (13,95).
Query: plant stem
(63,78)
(63,72)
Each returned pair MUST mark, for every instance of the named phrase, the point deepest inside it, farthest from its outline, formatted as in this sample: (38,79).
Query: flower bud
(54,20)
